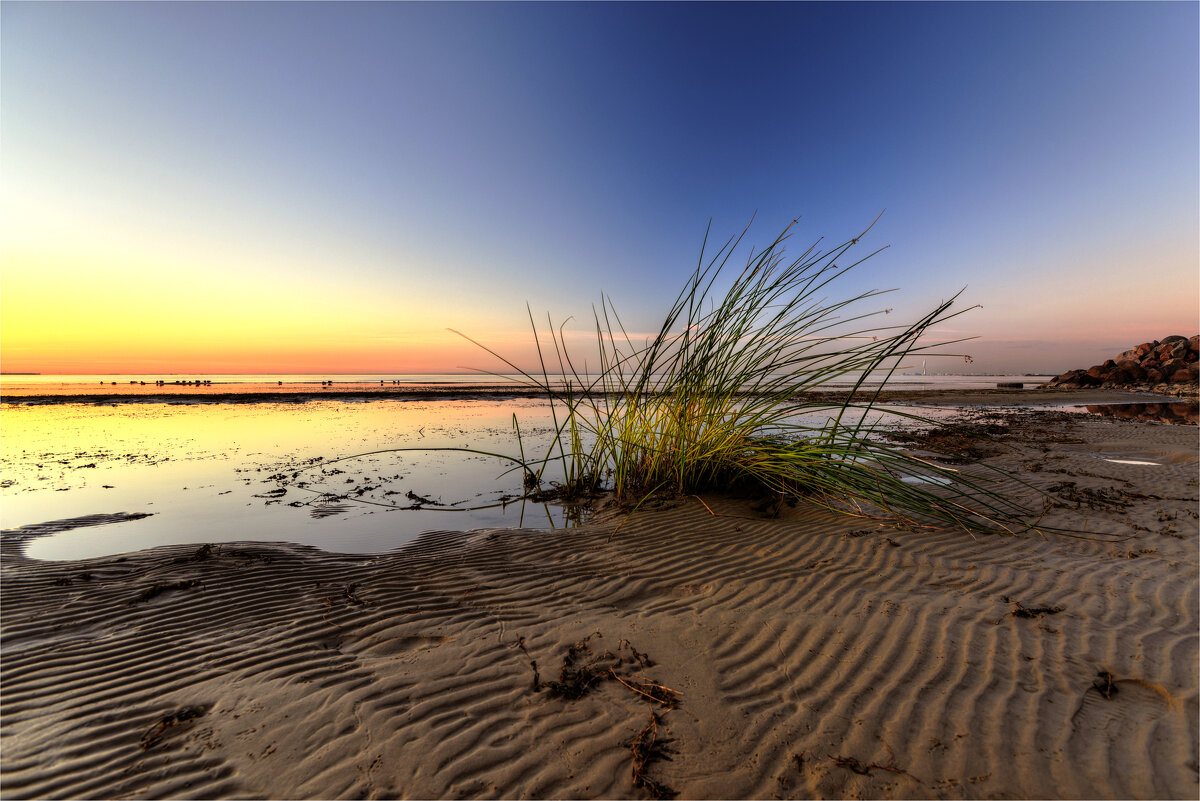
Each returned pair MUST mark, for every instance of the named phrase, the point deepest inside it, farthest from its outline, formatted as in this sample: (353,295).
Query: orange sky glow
(193,188)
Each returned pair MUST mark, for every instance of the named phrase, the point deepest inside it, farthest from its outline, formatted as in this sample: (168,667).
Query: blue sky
(423,166)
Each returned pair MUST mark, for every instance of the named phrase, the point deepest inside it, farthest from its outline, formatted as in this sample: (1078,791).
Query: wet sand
(804,654)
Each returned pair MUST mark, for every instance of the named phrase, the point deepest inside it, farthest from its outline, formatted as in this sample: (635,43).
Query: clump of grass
(719,397)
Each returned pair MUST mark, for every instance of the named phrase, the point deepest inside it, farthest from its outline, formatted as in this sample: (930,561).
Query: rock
(1074,378)
(1166,363)
(1135,371)
(1173,348)
(1172,366)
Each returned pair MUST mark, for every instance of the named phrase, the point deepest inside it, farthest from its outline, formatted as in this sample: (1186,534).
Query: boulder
(1173,359)
(1172,366)
(1135,371)
(1182,376)
(1075,378)
(1179,350)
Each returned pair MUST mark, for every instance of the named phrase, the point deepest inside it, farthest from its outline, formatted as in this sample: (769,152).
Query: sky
(332,187)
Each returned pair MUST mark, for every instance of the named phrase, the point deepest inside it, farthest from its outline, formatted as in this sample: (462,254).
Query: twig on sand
(657,692)
(863,769)
(647,748)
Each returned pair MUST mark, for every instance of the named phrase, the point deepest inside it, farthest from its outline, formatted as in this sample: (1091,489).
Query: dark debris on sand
(169,723)
(583,669)
(155,590)
(1032,612)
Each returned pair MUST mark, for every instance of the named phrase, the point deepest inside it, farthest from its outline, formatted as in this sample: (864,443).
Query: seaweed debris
(155,590)
(647,747)
(582,670)
(1031,612)
(159,731)
(1102,499)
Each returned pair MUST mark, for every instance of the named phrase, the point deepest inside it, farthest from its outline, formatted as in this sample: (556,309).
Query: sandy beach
(599,400)
(710,648)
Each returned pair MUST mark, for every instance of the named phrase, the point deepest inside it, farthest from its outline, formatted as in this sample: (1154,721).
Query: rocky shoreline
(1167,366)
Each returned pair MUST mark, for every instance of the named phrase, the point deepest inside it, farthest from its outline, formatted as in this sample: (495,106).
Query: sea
(360,463)
(14,385)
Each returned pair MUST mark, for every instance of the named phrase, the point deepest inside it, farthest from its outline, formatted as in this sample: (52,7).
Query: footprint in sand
(1114,709)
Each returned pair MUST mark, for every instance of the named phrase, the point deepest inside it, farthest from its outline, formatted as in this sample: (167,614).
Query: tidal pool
(211,472)
(1185,413)
(278,471)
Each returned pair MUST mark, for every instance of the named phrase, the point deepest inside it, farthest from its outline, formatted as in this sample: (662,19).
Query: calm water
(206,471)
(265,471)
(222,472)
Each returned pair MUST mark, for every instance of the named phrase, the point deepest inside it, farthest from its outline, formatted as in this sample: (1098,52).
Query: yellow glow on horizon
(101,312)
(84,289)
(87,290)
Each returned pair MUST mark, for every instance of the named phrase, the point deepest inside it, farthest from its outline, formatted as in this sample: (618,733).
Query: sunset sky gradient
(311,187)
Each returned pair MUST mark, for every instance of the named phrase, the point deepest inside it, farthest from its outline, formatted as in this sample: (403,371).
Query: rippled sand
(811,654)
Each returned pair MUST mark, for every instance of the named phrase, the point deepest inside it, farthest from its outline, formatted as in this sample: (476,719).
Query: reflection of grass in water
(329,491)
(711,401)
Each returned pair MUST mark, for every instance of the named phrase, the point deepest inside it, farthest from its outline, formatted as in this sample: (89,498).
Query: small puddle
(1129,461)
(939,481)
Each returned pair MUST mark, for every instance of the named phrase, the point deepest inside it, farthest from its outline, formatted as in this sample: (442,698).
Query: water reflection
(267,471)
(1176,413)
(207,472)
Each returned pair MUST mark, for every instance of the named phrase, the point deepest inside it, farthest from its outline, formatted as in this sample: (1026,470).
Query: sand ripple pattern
(816,656)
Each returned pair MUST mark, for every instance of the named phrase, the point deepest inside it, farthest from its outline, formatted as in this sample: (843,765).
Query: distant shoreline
(1030,395)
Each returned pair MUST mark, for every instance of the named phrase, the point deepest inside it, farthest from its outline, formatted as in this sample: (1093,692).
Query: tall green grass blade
(718,397)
